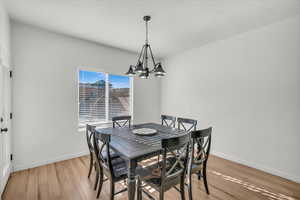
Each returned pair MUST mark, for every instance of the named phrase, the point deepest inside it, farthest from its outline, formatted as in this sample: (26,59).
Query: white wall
(45,92)
(247,88)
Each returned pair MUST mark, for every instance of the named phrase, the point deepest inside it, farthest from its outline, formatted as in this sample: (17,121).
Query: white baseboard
(276,172)
(18,167)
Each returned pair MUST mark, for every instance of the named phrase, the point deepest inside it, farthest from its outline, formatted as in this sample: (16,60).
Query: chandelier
(143,63)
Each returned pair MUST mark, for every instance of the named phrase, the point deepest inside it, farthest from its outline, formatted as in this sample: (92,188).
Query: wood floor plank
(257,178)
(16,186)
(84,186)
(43,191)
(232,188)
(32,184)
(215,192)
(20,185)
(67,180)
(53,183)
(68,189)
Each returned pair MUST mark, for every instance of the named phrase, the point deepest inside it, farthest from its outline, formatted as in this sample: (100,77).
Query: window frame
(107,122)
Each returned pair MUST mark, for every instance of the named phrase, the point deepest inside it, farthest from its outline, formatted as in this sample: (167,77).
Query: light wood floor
(68,180)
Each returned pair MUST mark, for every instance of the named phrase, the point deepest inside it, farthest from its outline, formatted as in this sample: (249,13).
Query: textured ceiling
(176,25)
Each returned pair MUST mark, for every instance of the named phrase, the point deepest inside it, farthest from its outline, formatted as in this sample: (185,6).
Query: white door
(5,125)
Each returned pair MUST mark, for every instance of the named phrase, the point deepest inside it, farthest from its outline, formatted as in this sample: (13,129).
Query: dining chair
(168,120)
(89,136)
(186,124)
(201,141)
(114,169)
(170,172)
(121,121)
(90,130)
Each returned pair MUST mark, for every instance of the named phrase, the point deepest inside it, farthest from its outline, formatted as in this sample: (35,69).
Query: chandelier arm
(154,64)
(141,53)
(144,50)
(146,56)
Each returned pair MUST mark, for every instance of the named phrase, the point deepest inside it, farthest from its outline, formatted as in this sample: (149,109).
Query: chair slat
(168,120)
(121,121)
(186,124)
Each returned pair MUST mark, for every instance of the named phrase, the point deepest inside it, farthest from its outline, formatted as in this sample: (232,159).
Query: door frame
(6,169)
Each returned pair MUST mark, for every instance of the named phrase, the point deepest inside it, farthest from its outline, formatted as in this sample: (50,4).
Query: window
(102,96)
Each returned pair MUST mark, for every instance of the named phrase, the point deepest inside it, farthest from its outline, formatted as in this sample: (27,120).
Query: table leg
(131,179)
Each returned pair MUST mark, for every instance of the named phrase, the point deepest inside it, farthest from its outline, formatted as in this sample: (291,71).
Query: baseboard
(18,167)
(269,170)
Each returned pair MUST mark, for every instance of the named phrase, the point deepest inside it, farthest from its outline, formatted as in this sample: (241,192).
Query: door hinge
(11,157)
(10,115)
(10,73)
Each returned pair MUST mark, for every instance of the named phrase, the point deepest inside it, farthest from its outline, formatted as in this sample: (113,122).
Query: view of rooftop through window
(102,96)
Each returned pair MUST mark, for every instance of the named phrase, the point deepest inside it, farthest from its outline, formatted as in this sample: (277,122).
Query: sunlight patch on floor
(254,188)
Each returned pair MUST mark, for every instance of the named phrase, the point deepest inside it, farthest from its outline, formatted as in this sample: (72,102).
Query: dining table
(134,148)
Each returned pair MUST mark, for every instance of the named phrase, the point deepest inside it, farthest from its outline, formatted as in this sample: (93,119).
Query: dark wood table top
(135,147)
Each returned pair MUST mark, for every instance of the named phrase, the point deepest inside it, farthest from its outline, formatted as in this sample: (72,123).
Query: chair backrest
(89,131)
(201,141)
(102,148)
(186,124)
(174,165)
(121,121)
(168,120)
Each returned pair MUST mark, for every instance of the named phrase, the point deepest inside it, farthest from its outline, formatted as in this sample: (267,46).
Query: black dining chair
(89,136)
(168,120)
(201,142)
(121,121)
(114,169)
(170,172)
(186,124)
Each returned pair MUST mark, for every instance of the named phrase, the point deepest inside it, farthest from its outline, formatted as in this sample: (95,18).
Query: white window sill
(82,128)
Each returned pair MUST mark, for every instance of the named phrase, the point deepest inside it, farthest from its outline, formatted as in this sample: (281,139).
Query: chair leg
(112,190)
(190,188)
(139,190)
(199,175)
(100,185)
(91,165)
(96,180)
(182,193)
(161,195)
(205,179)
(158,159)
